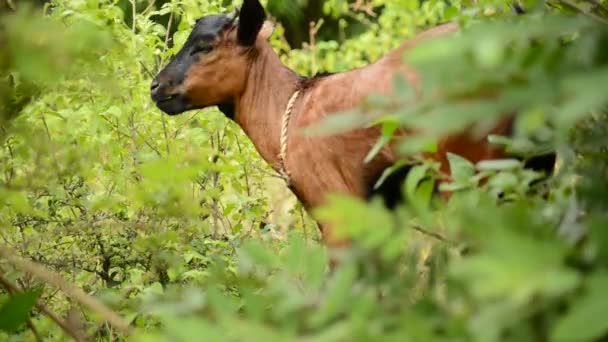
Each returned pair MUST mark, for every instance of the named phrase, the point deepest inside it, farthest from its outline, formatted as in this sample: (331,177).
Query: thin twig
(133,13)
(304,227)
(169,24)
(167,35)
(591,15)
(125,135)
(10,172)
(149,8)
(32,327)
(245,170)
(53,150)
(163,120)
(183,125)
(146,70)
(363,6)
(433,234)
(68,289)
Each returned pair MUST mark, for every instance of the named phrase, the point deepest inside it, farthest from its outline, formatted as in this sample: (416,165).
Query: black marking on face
(166,87)
(200,42)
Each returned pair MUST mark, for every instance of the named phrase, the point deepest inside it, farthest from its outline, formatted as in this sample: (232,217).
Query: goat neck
(259,110)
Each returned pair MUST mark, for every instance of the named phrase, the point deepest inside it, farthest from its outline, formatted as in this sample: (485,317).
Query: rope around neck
(283,172)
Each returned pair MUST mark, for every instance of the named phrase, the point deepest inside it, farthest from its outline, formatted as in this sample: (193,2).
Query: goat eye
(201,49)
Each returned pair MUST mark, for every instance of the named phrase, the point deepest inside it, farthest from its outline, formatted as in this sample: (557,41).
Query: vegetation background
(117,222)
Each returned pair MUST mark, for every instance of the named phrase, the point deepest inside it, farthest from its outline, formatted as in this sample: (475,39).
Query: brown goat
(228,62)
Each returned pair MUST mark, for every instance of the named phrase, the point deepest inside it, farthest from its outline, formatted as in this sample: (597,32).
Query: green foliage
(29,66)
(585,322)
(178,226)
(16,310)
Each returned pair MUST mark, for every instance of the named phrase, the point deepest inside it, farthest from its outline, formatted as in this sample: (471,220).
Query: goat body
(240,72)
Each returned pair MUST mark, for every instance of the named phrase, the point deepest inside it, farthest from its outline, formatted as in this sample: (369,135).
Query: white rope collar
(283,172)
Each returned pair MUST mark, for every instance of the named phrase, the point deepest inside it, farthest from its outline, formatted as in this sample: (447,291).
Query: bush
(178,227)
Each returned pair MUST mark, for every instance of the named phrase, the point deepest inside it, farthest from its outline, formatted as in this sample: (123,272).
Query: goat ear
(251,20)
(267,30)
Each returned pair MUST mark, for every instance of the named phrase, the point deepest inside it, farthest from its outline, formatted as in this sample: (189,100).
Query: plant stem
(13,289)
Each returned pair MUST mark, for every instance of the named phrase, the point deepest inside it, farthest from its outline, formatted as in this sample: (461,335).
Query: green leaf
(513,266)
(316,265)
(504,181)
(586,320)
(222,304)
(258,254)
(15,312)
(424,193)
(354,218)
(403,88)
(489,52)
(382,141)
(18,200)
(389,171)
(461,169)
(416,144)
(336,123)
(451,12)
(339,291)
(498,165)
(414,177)
(243,330)
(296,254)
(185,328)
(56,114)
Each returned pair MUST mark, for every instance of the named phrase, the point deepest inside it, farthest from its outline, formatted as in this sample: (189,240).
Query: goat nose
(155,85)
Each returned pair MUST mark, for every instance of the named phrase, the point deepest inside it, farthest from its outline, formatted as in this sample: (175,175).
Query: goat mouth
(173,105)
(167,98)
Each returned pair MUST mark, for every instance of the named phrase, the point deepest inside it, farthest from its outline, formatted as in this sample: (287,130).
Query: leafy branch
(67,288)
